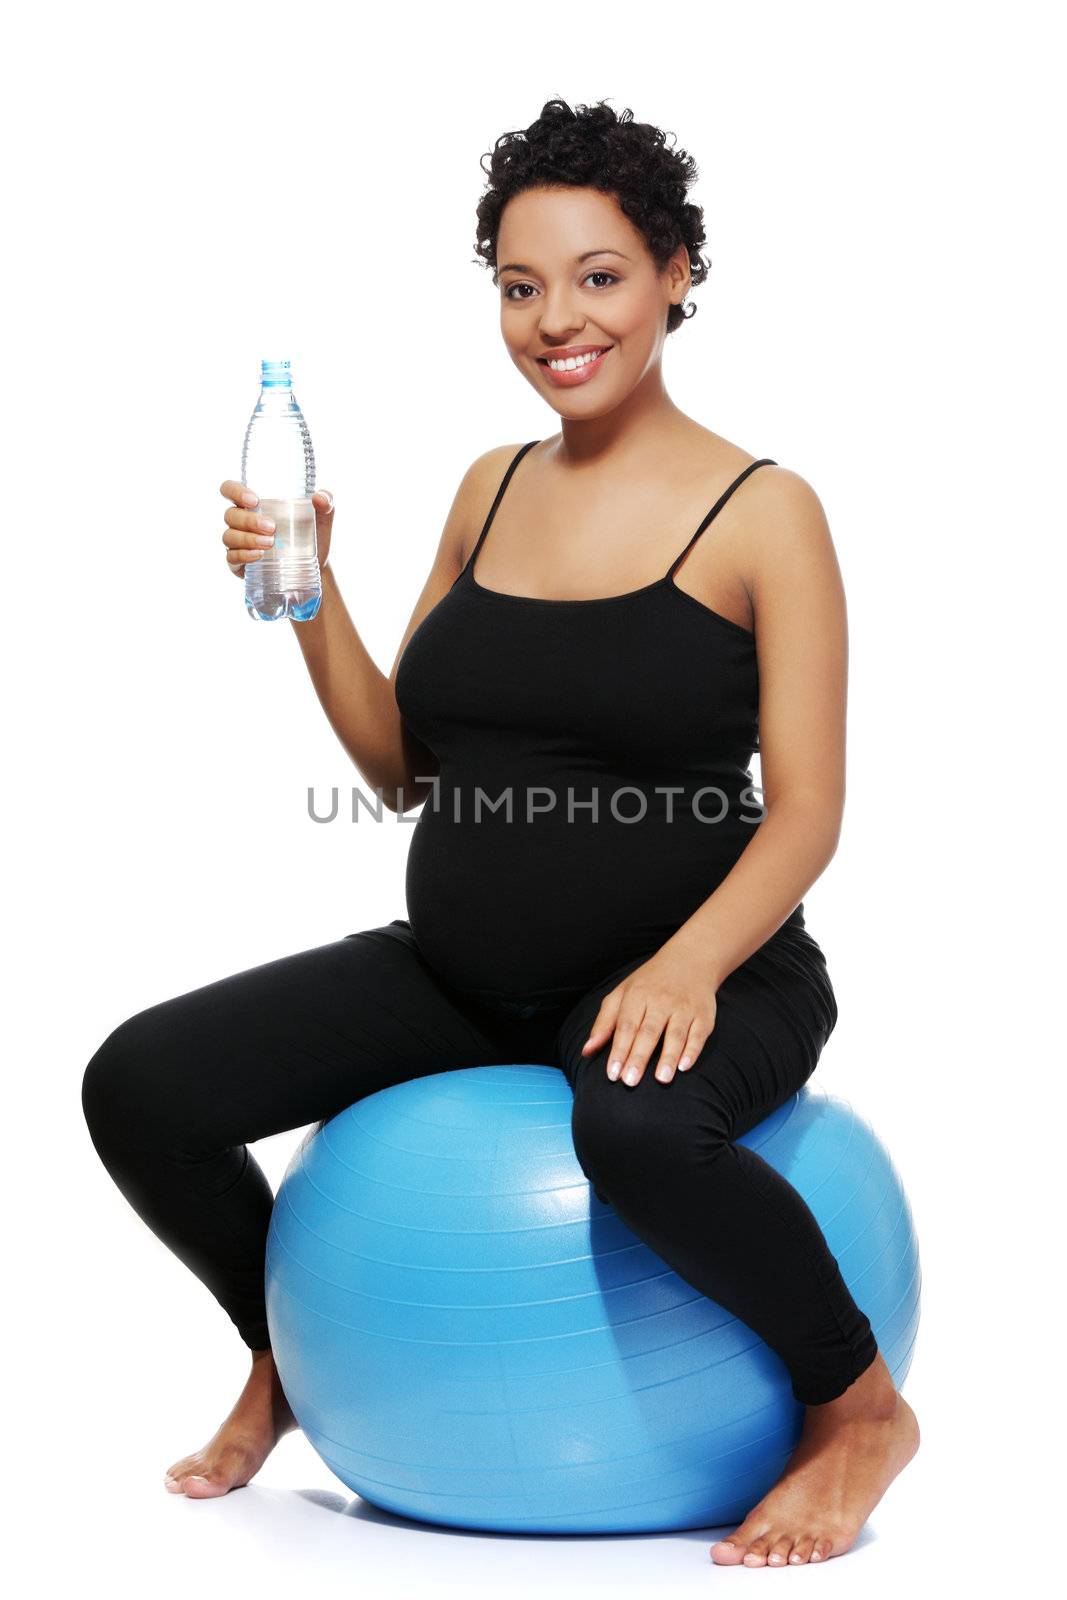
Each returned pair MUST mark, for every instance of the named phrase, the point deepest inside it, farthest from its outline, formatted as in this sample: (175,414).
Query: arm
(357,697)
(802,643)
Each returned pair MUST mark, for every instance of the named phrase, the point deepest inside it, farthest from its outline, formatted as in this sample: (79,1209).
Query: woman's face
(573,271)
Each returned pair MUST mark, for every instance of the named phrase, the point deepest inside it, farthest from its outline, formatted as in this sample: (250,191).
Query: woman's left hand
(672,993)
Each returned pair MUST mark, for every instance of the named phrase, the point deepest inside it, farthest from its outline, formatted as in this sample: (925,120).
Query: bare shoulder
(789,547)
(475,495)
(775,504)
(786,508)
(487,470)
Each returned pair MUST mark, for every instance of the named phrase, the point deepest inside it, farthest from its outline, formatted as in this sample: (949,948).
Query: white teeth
(575,361)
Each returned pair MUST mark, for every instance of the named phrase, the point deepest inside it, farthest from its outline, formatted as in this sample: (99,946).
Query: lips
(574,350)
(574,377)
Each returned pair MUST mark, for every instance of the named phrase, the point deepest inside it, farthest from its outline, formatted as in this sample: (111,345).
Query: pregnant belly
(547,908)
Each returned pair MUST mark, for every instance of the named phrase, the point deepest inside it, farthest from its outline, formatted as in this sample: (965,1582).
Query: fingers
(626,1031)
(322,499)
(635,1039)
(604,1021)
(249,535)
(247,527)
(673,1043)
(238,493)
(246,537)
(633,1046)
(698,1036)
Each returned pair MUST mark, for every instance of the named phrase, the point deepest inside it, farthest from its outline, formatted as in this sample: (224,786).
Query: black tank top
(594,783)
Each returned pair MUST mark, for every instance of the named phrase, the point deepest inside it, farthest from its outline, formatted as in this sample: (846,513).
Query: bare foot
(848,1454)
(244,1441)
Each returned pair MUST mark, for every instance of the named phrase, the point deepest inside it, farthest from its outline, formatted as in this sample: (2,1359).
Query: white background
(188,190)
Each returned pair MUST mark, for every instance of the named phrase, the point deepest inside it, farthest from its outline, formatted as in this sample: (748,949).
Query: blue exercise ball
(469,1337)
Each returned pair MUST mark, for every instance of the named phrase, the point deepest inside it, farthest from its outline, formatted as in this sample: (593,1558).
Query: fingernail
(266,524)
(630,1076)
(663,1074)
(264,540)
(685,1062)
(249,498)
(614,1070)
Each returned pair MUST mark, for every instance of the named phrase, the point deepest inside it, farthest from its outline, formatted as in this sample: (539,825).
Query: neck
(647,422)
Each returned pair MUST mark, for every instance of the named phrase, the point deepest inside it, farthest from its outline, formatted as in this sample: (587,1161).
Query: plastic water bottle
(278,464)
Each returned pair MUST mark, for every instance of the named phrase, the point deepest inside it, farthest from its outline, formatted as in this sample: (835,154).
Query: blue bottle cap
(274,372)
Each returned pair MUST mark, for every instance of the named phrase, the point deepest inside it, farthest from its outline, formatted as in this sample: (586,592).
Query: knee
(624,1138)
(121,1096)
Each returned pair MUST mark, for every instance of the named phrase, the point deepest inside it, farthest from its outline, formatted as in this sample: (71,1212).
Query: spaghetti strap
(716,508)
(469,563)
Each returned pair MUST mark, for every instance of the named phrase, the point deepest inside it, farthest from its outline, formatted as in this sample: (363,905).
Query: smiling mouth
(579,361)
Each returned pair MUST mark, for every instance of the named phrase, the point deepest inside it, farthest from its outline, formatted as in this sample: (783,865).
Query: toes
(200,1488)
(802,1550)
(779,1550)
(756,1554)
(176,1474)
(770,1549)
(729,1552)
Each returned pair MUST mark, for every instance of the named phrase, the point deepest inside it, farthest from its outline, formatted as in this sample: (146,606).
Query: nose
(560,319)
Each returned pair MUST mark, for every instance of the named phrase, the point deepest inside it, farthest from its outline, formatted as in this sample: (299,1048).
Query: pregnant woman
(618,616)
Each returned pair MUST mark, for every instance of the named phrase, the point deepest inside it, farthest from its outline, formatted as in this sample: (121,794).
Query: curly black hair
(594,147)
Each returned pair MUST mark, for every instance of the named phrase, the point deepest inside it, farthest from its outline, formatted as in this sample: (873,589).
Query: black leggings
(174,1094)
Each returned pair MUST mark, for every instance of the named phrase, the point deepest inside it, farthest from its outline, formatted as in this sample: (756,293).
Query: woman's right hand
(246,539)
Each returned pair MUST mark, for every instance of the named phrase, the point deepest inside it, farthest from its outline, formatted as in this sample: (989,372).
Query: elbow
(397,798)
(404,797)
(817,815)
(830,844)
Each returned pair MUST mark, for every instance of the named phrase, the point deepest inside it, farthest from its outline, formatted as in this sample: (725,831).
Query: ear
(679,274)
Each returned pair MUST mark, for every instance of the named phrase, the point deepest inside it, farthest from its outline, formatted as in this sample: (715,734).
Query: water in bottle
(278,464)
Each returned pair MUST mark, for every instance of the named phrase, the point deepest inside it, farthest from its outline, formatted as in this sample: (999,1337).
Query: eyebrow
(517,266)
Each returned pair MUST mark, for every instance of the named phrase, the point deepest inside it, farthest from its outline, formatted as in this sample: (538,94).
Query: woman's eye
(598,272)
